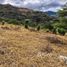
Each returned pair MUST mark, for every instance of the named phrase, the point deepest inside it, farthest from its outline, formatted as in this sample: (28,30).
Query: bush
(61,31)
(38,28)
(47,30)
(49,26)
(3,22)
(26,23)
(54,31)
(1,19)
(13,21)
(26,26)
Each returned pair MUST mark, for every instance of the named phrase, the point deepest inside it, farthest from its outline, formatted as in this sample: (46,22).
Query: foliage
(3,22)
(26,23)
(36,19)
(48,25)
(38,27)
(61,31)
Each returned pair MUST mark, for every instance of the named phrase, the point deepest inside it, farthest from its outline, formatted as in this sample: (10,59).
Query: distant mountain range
(51,13)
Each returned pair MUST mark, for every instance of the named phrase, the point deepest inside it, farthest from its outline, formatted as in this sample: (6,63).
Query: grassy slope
(22,48)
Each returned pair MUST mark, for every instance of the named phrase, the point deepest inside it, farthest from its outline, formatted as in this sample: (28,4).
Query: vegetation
(38,27)
(61,31)
(24,46)
(36,19)
(3,22)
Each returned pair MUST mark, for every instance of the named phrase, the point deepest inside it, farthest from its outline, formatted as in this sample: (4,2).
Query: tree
(26,23)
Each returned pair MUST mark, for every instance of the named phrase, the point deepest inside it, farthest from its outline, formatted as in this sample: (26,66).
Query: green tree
(26,23)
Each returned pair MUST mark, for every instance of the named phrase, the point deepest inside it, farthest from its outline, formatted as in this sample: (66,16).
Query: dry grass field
(20,47)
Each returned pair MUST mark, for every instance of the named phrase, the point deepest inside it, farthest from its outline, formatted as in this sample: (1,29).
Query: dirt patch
(55,40)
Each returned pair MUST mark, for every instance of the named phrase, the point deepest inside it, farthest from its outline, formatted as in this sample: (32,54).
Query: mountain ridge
(12,12)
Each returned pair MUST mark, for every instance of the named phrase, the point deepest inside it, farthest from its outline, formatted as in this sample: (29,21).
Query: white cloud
(42,5)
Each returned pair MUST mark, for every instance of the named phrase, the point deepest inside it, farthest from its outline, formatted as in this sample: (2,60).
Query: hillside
(11,12)
(20,47)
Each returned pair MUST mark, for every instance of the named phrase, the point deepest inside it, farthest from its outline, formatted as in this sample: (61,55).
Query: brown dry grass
(22,48)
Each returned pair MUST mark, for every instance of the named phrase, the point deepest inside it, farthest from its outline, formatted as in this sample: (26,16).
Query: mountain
(51,13)
(12,12)
(9,11)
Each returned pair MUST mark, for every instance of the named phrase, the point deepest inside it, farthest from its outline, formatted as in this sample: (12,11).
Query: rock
(63,58)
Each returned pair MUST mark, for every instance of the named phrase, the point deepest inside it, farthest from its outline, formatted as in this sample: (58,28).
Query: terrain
(20,47)
(31,38)
(12,12)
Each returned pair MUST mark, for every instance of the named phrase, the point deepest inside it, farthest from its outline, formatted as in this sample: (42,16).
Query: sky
(42,5)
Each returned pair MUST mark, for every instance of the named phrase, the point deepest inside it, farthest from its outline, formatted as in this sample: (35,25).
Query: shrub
(47,30)
(26,23)
(26,26)
(54,31)
(3,22)
(49,26)
(1,19)
(61,31)
(38,28)
(13,21)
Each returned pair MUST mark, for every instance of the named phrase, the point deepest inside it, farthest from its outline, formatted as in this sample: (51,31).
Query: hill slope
(25,48)
(8,11)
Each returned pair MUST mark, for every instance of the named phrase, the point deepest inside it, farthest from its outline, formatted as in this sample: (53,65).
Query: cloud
(1,1)
(42,5)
